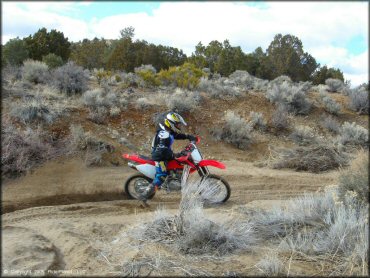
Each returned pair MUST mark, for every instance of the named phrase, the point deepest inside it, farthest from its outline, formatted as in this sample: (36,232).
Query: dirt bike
(178,169)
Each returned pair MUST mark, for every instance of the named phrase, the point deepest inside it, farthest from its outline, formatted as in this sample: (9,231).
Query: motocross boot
(148,192)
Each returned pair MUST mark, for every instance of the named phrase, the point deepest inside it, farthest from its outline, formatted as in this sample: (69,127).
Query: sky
(335,33)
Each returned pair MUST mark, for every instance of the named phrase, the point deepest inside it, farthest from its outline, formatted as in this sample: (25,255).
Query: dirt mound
(25,250)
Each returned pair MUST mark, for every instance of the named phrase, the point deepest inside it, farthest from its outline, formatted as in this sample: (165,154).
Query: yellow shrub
(186,76)
(148,77)
(102,75)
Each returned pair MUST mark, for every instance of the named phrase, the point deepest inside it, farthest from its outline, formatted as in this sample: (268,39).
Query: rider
(169,130)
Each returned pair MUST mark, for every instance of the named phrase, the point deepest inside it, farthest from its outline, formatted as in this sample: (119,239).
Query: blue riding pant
(160,172)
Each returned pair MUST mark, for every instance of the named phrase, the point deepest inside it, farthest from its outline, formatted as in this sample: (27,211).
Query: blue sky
(357,44)
(334,33)
(100,10)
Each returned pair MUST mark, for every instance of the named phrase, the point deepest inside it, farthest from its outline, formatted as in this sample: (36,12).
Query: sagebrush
(236,131)
(291,96)
(355,179)
(35,71)
(359,100)
(22,150)
(70,78)
(280,119)
(183,101)
(330,123)
(353,134)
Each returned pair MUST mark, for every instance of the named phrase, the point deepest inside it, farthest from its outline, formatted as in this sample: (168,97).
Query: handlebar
(197,140)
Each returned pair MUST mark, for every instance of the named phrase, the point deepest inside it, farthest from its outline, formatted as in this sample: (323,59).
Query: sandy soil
(68,219)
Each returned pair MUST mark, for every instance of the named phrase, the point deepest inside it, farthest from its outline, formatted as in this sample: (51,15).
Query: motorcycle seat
(145,157)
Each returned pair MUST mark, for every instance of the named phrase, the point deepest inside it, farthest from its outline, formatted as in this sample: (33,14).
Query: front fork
(203,171)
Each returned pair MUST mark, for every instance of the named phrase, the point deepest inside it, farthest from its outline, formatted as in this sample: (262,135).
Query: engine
(174,181)
(174,185)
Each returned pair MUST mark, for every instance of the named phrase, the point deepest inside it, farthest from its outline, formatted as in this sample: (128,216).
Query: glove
(192,138)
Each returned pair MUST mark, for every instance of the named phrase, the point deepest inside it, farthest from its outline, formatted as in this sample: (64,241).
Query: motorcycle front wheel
(135,186)
(215,189)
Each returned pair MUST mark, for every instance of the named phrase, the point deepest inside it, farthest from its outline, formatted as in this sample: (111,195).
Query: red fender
(137,158)
(213,163)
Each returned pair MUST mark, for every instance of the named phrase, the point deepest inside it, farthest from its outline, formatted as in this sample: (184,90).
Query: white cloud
(325,28)
(354,67)
(22,22)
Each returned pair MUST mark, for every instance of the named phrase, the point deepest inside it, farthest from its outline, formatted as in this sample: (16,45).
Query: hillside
(69,208)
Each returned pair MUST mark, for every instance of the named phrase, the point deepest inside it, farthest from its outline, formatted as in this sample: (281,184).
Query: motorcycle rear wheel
(217,189)
(135,185)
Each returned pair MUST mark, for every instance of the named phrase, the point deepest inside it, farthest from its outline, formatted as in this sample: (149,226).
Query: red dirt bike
(178,170)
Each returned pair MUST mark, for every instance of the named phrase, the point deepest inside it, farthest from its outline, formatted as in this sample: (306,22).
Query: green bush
(186,76)
(14,52)
(52,61)
(118,78)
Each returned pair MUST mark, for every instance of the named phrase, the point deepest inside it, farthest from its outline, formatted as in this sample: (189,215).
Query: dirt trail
(71,181)
(72,234)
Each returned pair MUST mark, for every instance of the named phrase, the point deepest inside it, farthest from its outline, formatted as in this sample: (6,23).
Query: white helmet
(173,121)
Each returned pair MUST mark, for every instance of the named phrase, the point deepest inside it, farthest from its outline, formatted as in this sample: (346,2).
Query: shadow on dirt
(64,199)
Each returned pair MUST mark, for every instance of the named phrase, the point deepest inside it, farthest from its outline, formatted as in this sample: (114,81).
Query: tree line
(284,56)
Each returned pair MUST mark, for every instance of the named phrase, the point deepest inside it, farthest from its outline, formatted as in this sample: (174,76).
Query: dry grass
(317,228)
(271,265)
(160,265)
(314,158)
(191,232)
